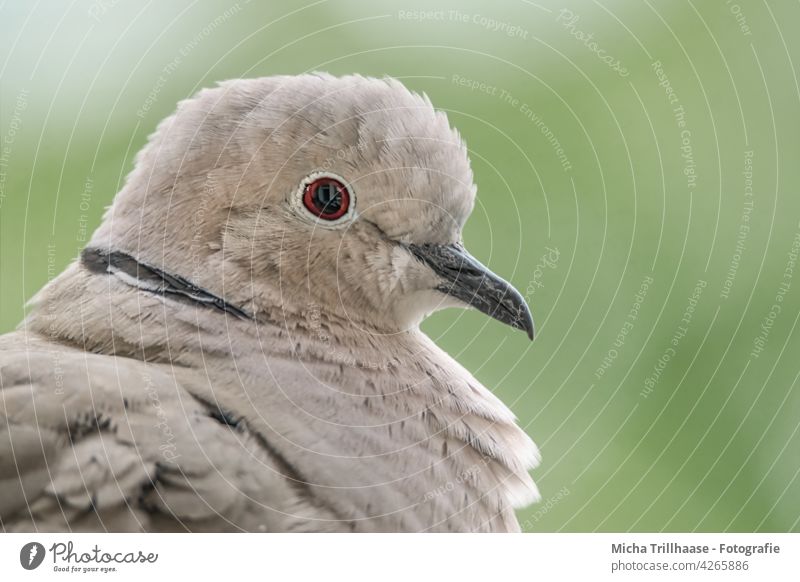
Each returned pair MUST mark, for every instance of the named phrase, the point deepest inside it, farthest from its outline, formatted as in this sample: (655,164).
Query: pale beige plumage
(125,408)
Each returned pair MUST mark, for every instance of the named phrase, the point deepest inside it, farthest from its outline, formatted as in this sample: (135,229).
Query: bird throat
(154,280)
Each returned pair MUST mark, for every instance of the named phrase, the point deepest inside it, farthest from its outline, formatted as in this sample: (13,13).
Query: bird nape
(238,348)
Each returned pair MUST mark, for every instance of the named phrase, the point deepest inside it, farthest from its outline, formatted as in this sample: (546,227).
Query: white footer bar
(407,558)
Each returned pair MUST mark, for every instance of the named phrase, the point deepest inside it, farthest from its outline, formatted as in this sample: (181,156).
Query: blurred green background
(637,168)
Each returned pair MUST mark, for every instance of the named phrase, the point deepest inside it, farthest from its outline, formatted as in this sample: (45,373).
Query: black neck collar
(153,280)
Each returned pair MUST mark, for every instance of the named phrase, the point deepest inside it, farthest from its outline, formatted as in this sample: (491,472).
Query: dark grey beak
(471,282)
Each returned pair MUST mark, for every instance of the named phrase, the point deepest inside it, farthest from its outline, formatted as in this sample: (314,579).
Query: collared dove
(237,348)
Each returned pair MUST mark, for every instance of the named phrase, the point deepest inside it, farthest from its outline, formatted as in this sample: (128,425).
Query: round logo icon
(31,555)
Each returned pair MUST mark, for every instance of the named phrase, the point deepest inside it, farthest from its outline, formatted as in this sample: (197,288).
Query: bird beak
(466,279)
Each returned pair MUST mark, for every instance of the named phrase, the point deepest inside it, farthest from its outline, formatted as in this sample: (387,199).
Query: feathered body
(125,409)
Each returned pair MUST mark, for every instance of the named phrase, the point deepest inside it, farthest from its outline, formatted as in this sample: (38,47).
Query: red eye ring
(326,198)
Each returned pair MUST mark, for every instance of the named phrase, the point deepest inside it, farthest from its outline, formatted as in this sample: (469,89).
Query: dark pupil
(328,198)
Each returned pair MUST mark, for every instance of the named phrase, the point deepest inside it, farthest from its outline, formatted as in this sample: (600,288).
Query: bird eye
(326,198)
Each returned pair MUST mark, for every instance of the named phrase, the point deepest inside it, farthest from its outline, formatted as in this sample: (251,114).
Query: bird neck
(121,305)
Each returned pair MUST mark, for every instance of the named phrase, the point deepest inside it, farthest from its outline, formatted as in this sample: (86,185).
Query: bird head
(345,194)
